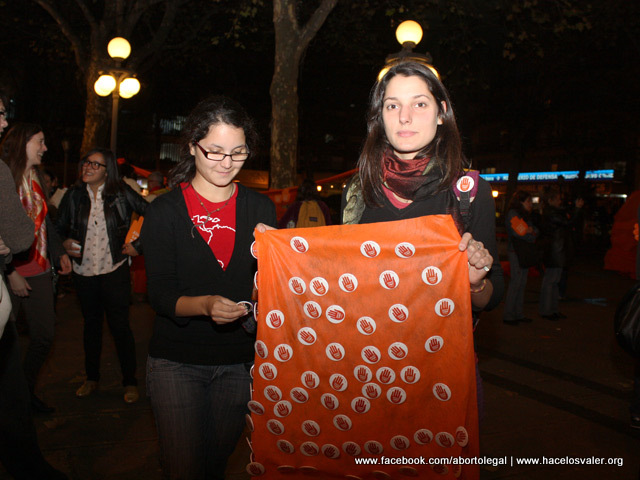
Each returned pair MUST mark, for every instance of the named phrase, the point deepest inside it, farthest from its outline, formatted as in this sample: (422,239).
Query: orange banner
(364,353)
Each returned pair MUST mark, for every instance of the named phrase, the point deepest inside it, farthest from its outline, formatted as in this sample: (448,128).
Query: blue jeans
(199,412)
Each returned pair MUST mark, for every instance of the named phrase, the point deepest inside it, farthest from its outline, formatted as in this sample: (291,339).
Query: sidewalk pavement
(552,389)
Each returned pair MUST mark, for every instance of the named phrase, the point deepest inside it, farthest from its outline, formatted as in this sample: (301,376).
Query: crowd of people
(196,239)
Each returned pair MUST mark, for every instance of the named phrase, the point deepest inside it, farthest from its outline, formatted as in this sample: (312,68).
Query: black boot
(39,406)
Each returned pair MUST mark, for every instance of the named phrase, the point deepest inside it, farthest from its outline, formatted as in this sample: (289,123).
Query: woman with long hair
(94,218)
(520,231)
(197,240)
(29,274)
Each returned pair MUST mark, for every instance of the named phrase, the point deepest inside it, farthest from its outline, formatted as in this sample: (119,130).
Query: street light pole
(408,34)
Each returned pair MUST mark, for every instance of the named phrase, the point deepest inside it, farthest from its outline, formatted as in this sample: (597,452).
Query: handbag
(527,252)
(626,321)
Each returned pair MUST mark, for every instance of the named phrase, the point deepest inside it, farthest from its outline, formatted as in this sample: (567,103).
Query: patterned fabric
(35,204)
(364,350)
(404,177)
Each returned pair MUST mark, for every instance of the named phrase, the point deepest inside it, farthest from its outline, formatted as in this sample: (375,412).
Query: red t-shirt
(218,229)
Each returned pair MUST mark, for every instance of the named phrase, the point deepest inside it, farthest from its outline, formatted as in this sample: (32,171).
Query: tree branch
(315,22)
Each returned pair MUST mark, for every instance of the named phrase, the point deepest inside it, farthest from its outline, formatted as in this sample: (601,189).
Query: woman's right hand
(222,310)
(71,247)
(19,285)
(261,227)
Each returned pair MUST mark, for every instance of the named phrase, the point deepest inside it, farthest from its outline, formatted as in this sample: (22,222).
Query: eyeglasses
(219,156)
(94,165)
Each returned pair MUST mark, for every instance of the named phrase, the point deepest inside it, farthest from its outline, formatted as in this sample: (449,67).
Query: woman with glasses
(197,240)
(94,218)
(29,274)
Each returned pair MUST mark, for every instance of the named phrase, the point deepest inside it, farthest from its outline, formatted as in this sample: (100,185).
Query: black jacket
(73,216)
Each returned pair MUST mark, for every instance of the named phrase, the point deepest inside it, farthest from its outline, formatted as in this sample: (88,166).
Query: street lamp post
(118,82)
(408,34)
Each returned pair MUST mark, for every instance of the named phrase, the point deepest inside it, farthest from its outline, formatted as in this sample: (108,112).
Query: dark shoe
(635,421)
(553,316)
(39,406)
(87,388)
(510,322)
(560,315)
(525,320)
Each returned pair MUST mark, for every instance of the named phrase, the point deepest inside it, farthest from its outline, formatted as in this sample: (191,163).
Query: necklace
(208,219)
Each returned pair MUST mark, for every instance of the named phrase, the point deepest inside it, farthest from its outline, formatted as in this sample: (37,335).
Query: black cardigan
(180,263)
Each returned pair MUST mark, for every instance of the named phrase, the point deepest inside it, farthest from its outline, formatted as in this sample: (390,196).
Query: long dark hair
(14,148)
(517,199)
(213,110)
(445,149)
(113,184)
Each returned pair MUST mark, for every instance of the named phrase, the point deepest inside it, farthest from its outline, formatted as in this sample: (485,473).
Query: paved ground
(553,389)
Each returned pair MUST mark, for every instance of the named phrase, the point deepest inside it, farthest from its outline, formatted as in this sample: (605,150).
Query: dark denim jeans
(199,412)
(514,303)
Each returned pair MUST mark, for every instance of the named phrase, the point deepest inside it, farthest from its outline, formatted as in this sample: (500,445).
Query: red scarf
(403,177)
(34,203)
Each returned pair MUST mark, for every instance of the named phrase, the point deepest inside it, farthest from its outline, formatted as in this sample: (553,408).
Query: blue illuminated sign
(567,175)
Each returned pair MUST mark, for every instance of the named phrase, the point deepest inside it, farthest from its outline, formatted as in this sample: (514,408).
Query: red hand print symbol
(268,373)
(432,276)
(283,409)
(297,286)
(434,344)
(366,326)
(284,353)
(335,352)
(398,352)
(461,436)
(272,393)
(310,429)
(330,452)
(374,448)
(399,314)
(299,246)
(410,375)
(405,251)
(385,376)
(255,470)
(348,284)
(307,336)
(360,406)
(257,409)
(445,441)
(312,310)
(465,184)
(423,437)
(372,391)
(319,287)
(370,250)
(309,380)
(260,350)
(342,423)
(371,355)
(298,395)
(310,449)
(329,402)
(396,397)
(335,314)
(399,443)
(337,383)
(285,447)
(275,428)
(275,320)
(445,308)
(363,375)
(441,392)
(389,281)
(352,449)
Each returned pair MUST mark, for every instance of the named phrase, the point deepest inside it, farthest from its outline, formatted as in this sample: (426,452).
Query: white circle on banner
(299,395)
(282,409)
(371,390)
(456,470)
(362,373)
(308,470)
(348,282)
(249,421)
(297,285)
(380,475)
(319,286)
(285,446)
(286,468)
(283,352)
(251,370)
(398,313)
(335,352)
(330,451)
(398,350)
(312,309)
(255,280)
(360,405)
(396,395)
(256,407)
(254,250)
(389,279)
(366,325)
(342,422)
(261,349)
(465,183)
(338,382)
(370,249)
(434,344)
(307,336)
(410,374)
(445,439)
(385,375)
(309,449)
(445,307)
(399,442)
(310,379)
(275,427)
(273,393)
(335,314)
(268,371)
(374,448)
(423,436)
(405,250)
(351,448)
(254,469)
(431,275)
(408,471)
(462,436)
(299,245)
(329,401)
(370,354)
(311,428)
(442,392)
(275,319)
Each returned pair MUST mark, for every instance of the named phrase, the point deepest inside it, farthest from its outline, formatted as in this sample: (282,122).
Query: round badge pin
(335,314)
(398,313)
(370,249)
(405,250)
(319,286)
(299,245)
(389,279)
(434,344)
(348,283)
(362,373)
(432,275)
(297,286)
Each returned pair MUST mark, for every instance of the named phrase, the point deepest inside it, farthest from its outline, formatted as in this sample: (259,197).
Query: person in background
(30,273)
(20,453)
(128,176)
(635,403)
(197,240)
(520,228)
(94,219)
(53,191)
(308,210)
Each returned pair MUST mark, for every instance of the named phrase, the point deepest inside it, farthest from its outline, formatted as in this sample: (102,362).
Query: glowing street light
(408,34)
